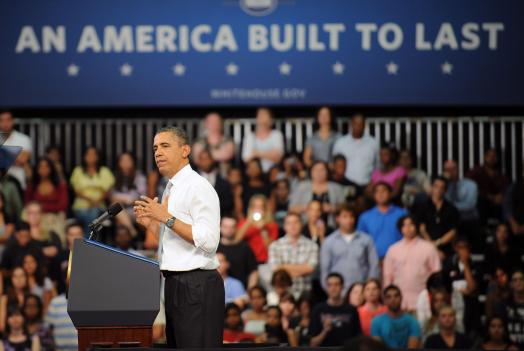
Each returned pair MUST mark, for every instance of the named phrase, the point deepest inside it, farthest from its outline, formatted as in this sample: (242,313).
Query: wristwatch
(170,222)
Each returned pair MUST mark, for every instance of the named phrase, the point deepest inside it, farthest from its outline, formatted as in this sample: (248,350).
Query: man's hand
(149,210)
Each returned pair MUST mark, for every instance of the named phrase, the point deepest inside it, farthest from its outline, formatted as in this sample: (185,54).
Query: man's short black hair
(391,287)
(22,226)
(336,275)
(441,178)
(178,132)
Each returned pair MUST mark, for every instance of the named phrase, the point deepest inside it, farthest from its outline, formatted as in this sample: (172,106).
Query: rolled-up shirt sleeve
(205,211)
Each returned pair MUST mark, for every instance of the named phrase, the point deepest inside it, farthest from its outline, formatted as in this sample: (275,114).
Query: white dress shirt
(361,156)
(194,201)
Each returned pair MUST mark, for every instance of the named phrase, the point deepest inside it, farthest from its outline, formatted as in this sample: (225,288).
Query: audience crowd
(349,238)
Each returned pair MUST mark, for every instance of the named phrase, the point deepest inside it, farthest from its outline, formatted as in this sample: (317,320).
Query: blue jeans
(86,216)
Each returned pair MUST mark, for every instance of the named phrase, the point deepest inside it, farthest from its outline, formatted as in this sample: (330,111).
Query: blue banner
(261,52)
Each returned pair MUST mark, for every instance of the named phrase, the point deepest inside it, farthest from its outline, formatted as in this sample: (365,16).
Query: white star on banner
(285,69)
(179,69)
(126,70)
(338,68)
(232,69)
(392,68)
(446,68)
(72,70)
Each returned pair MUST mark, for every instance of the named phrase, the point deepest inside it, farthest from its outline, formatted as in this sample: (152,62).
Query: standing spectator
(315,228)
(253,184)
(16,335)
(207,169)
(396,328)
(333,322)
(410,262)
(54,153)
(319,146)
(64,332)
(360,151)
(372,306)
(92,183)
(380,222)
(255,317)
(279,202)
(448,337)
(496,336)
(296,254)
(130,184)
(33,312)
(7,227)
(512,310)
(417,183)
(51,193)
(319,188)
(355,295)
(39,284)
(389,172)
(438,218)
(235,292)
(502,251)
(15,250)
(21,170)
(265,143)
(491,184)
(348,252)
(258,228)
(243,265)
(221,147)
(462,192)
(233,326)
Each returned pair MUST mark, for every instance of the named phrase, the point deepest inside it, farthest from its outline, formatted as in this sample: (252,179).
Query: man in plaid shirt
(296,254)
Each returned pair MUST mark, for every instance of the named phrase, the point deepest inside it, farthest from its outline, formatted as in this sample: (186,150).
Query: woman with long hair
(15,294)
(496,336)
(33,311)
(372,306)
(39,284)
(17,338)
(255,317)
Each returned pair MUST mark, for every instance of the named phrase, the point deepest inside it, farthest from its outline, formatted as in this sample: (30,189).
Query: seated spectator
(233,326)
(372,306)
(130,184)
(221,147)
(207,168)
(498,291)
(288,307)
(300,324)
(253,184)
(396,328)
(389,172)
(281,284)
(492,185)
(15,295)
(296,254)
(512,309)
(243,265)
(255,317)
(319,146)
(315,227)
(294,170)
(348,252)
(12,193)
(438,218)
(274,333)
(502,251)
(265,143)
(73,230)
(333,322)
(51,193)
(124,240)
(380,222)
(496,336)
(279,202)
(417,183)
(92,183)
(319,188)
(16,249)
(234,290)
(258,228)
(355,295)
(16,335)
(514,208)
(465,277)
(410,262)
(33,311)
(448,337)
(39,284)
(360,150)
(7,226)
(439,299)
(64,332)
(54,153)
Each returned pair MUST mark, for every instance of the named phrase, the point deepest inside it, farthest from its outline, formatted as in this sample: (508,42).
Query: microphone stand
(94,230)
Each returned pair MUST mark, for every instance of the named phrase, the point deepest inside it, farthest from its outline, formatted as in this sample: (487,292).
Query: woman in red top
(372,306)
(258,228)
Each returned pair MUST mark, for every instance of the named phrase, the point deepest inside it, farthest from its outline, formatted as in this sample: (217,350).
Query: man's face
(73,233)
(405,160)
(451,170)
(263,119)
(293,226)
(357,126)
(517,282)
(23,237)
(393,300)
(339,167)
(213,123)
(334,287)
(346,221)
(228,227)
(169,154)
(205,161)
(490,158)
(223,264)
(381,195)
(446,318)
(314,210)
(123,238)
(409,229)
(438,189)
(7,122)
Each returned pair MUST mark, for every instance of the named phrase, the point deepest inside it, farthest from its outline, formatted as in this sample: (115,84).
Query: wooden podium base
(114,337)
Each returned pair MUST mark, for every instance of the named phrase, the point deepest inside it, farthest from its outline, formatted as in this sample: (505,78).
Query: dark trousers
(194,303)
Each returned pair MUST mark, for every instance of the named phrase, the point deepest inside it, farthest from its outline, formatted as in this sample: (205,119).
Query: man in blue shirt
(233,288)
(380,222)
(397,329)
(348,251)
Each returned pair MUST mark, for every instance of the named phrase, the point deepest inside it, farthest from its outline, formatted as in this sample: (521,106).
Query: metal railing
(432,140)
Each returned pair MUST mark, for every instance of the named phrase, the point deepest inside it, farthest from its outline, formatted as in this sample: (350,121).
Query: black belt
(172,273)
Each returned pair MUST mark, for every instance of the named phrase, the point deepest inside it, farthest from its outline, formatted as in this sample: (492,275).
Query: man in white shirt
(360,151)
(10,137)
(188,223)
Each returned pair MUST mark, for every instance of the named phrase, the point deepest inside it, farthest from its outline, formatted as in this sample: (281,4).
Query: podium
(113,296)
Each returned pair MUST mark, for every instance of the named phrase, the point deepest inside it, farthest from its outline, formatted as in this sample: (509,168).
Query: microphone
(112,211)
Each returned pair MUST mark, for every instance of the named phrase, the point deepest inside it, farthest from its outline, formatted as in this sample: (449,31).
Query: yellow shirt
(93,187)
